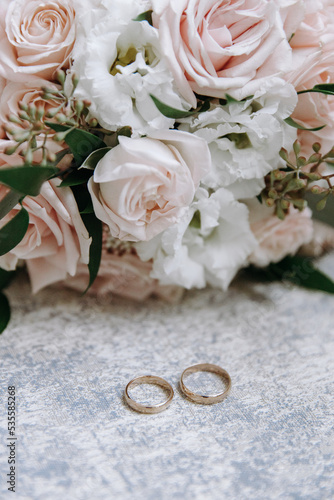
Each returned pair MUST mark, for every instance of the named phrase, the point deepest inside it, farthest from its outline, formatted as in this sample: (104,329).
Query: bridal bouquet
(149,146)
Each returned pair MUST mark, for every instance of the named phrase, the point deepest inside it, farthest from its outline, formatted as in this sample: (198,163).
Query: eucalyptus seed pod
(270,202)
(14,119)
(61,76)
(11,150)
(60,136)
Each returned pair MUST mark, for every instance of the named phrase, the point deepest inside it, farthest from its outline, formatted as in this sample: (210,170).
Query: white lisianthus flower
(245,137)
(118,62)
(208,246)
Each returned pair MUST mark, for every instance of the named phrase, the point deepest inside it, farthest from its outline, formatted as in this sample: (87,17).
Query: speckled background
(70,359)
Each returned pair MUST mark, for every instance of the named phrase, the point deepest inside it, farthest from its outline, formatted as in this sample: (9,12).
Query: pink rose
(313,57)
(217,47)
(122,273)
(144,185)
(56,240)
(36,38)
(2,84)
(292,13)
(277,238)
(322,240)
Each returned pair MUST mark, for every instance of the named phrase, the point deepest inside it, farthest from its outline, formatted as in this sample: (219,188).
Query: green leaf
(80,176)
(145,16)
(177,113)
(241,140)
(82,196)
(89,209)
(8,202)
(324,215)
(27,179)
(60,155)
(4,312)
(322,88)
(127,131)
(294,124)
(196,220)
(329,87)
(301,271)
(230,100)
(94,228)
(80,142)
(13,232)
(94,158)
(5,278)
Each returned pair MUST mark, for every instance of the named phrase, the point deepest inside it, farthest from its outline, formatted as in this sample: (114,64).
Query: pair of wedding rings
(193,396)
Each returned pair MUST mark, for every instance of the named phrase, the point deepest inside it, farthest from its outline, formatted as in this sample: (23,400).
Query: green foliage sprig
(33,122)
(288,186)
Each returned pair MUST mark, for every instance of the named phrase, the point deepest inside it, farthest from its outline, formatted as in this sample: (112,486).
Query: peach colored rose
(277,238)
(144,185)
(217,47)
(36,38)
(56,240)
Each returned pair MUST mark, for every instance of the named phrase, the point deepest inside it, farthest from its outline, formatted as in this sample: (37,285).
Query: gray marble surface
(70,359)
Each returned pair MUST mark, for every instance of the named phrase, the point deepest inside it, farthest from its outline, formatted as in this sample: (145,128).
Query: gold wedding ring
(201,398)
(149,379)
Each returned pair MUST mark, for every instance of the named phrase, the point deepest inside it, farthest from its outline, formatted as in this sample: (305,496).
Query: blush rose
(278,238)
(313,61)
(218,47)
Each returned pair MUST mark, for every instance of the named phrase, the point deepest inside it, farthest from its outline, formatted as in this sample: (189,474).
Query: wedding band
(201,398)
(149,379)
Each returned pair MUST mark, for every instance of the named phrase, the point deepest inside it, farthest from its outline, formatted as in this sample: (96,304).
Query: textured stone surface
(70,359)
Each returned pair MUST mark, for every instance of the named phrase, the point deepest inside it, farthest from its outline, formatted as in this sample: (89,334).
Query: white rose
(144,185)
